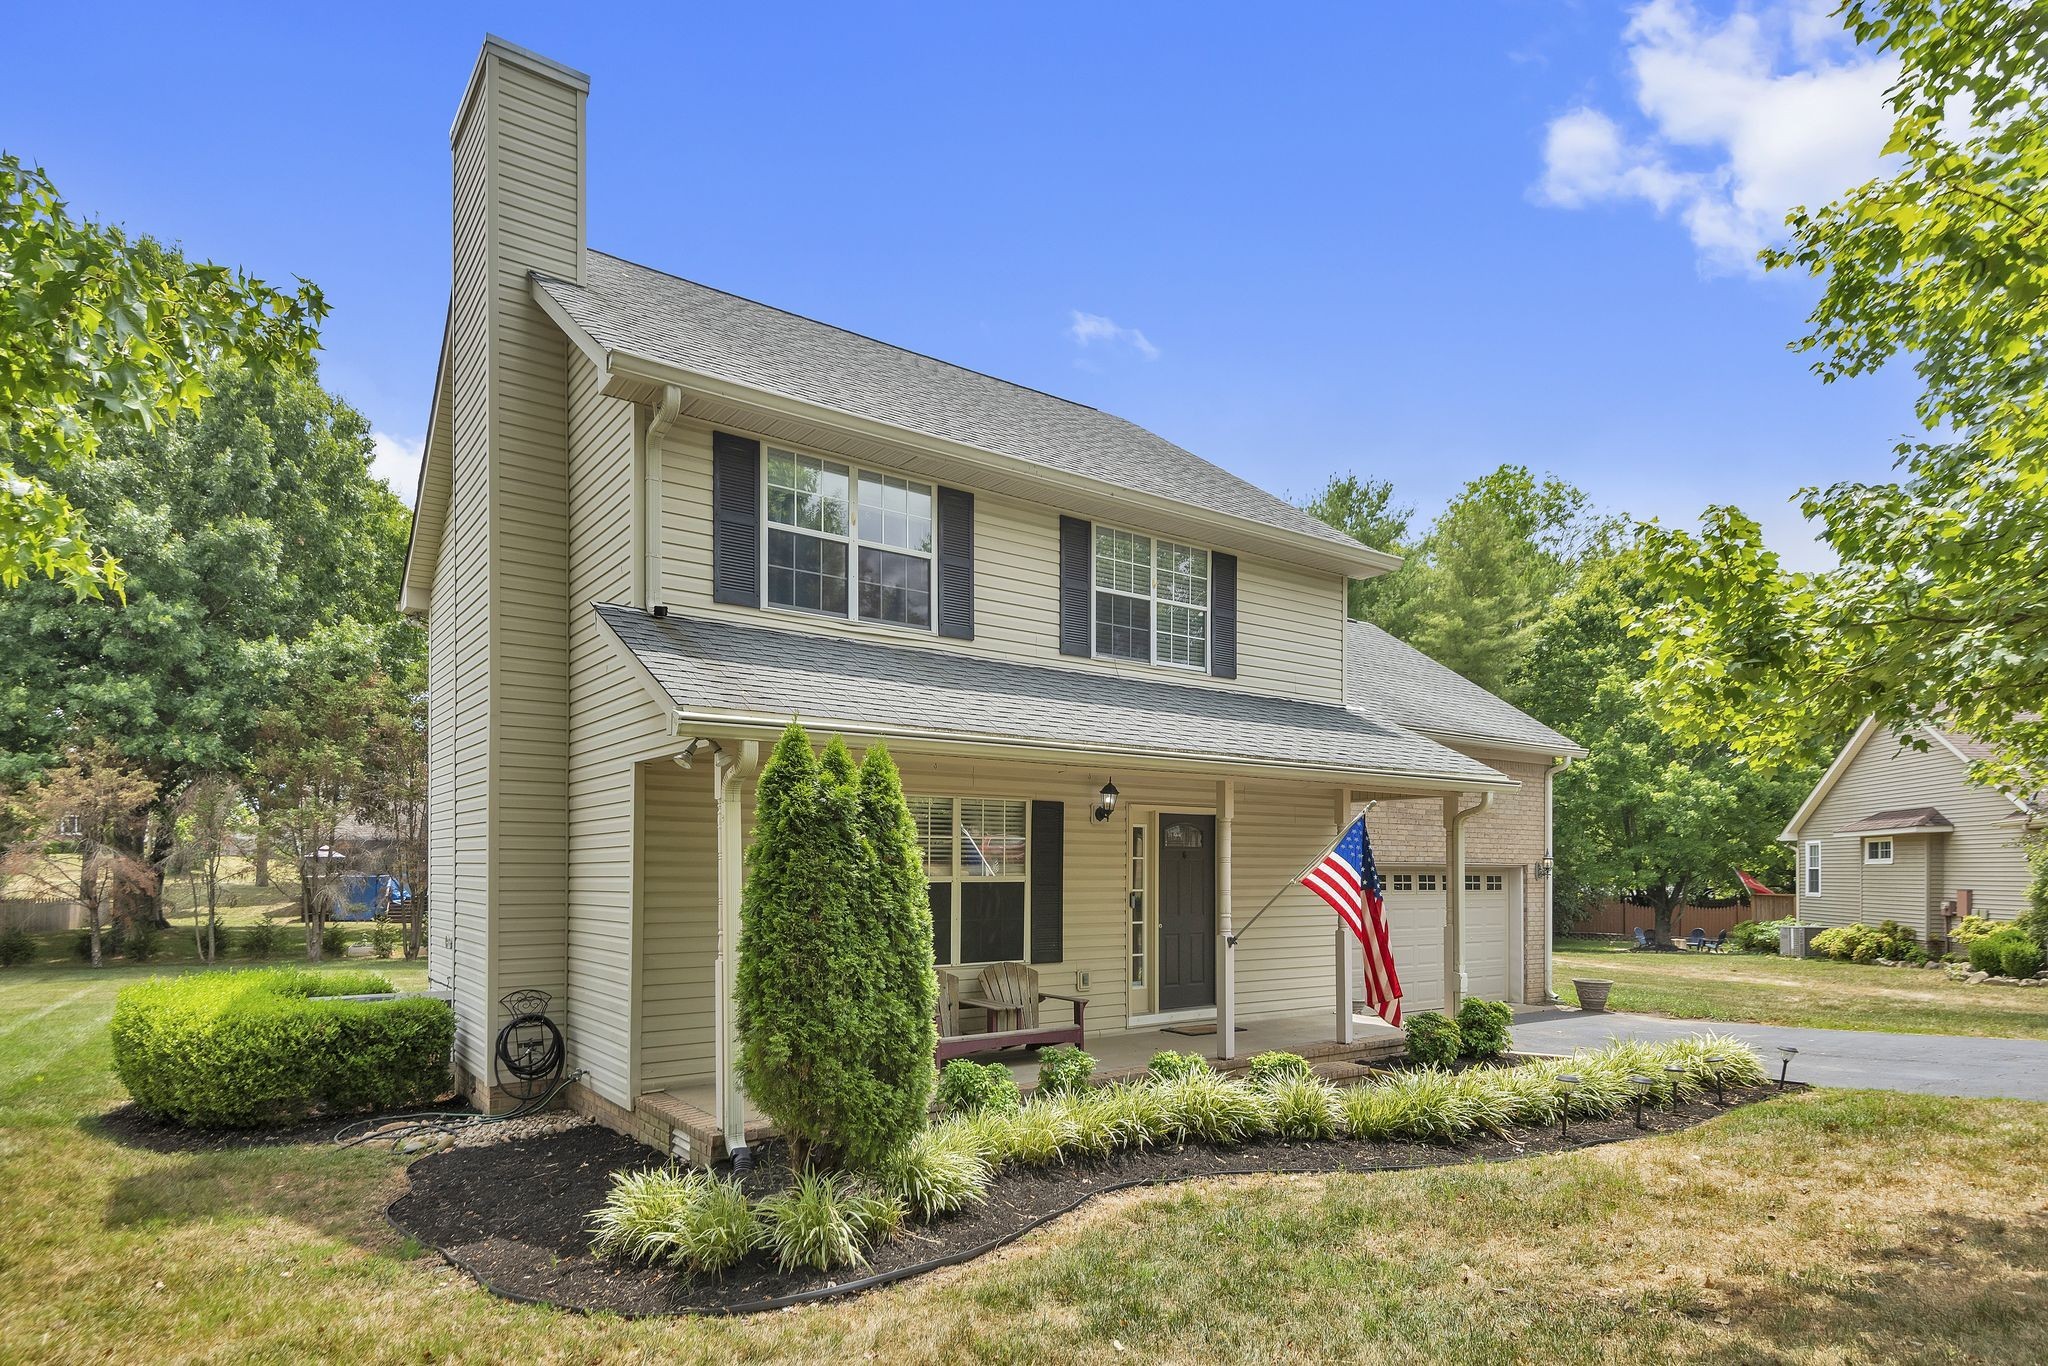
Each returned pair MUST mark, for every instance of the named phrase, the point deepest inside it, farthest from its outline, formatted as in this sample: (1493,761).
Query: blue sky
(1413,241)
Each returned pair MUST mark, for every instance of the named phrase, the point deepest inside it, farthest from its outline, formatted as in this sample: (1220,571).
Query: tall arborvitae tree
(903,984)
(800,964)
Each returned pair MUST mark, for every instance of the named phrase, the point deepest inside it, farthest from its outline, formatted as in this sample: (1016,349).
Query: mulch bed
(131,1127)
(512,1214)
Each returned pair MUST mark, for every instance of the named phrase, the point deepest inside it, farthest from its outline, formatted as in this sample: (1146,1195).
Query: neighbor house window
(1151,600)
(975,853)
(1877,851)
(69,826)
(1813,867)
(847,542)
(1137,896)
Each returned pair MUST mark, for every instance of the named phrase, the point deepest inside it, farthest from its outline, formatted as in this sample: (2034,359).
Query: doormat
(1197,1031)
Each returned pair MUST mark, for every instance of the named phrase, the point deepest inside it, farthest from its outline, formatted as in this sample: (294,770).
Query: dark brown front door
(1187,912)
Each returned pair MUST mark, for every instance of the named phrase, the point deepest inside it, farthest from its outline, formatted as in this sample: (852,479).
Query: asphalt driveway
(1931,1064)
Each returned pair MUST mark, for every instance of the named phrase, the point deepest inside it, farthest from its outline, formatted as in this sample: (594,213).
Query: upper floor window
(1151,600)
(1877,851)
(847,542)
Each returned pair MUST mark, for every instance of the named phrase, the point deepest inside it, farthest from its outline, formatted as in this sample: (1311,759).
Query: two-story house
(656,522)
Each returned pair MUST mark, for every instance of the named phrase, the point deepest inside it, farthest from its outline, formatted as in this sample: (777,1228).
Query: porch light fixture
(1546,865)
(1108,796)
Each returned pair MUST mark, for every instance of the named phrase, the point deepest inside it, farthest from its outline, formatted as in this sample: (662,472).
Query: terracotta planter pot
(1592,992)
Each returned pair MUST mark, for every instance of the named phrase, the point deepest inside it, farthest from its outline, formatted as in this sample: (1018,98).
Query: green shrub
(240,1049)
(1167,1064)
(836,988)
(111,940)
(817,1224)
(1971,928)
(384,937)
(1269,1069)
(17,946)
(1483,1027)
(2034,919)
(968,1087)
(333,940)
(1305,1108)
(941,1171)
(1433,1039)
(2008,952)
(1868,943)
(260,940)
(1064,1070)
(1757,936)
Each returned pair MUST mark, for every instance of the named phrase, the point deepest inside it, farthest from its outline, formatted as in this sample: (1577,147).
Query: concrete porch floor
(1118,1055)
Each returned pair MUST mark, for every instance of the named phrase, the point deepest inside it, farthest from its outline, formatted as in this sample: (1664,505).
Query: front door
(1187,912)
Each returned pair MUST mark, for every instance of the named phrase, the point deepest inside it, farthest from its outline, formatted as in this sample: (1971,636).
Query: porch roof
(721,674)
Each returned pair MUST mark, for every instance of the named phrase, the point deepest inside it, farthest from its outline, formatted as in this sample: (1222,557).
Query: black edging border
(903,1273)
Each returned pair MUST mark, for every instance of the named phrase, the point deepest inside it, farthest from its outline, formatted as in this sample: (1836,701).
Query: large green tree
(1938,608)
(1647,816)
(100,332)
(1365,510)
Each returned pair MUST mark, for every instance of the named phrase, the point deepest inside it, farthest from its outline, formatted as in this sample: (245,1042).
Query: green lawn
(1818,993)
(1685,1247)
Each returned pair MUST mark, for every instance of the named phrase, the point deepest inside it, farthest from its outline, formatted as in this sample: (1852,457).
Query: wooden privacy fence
(40,917)
(1620,918)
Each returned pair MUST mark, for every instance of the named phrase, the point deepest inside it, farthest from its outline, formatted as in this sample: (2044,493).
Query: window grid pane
(1183,574)
(895,512)
(1123,562)
(807,572)
(1183,635)
(991,838)
(1123,627)
(934,819)
(895,587)
(807,493)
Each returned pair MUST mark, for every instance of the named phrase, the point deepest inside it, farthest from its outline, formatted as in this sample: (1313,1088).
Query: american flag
(1348,881)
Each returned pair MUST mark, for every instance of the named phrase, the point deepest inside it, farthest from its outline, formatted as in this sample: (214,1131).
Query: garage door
(1415,912)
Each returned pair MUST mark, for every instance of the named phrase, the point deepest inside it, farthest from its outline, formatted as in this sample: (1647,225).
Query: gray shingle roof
(710,667)
(1904,819)
(645,313)
(1389,678)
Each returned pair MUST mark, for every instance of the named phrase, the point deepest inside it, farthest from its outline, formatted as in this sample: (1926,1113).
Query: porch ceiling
(725,677)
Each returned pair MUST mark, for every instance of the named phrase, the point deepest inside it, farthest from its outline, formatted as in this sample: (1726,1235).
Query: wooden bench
(1009,993)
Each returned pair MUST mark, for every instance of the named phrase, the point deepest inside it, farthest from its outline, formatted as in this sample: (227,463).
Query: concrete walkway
(1931,1064)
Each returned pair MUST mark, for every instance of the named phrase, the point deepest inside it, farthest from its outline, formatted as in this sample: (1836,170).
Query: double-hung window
(975,856)
(1813,867)
(1151,600)
(1877,851)
(847,542)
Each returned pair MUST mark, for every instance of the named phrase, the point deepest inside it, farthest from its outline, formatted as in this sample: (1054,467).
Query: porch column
(729,1105)
(1454,904)
(1346,1031)
(1226,950)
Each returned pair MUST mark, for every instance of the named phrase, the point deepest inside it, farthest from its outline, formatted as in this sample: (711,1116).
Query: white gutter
(651,496)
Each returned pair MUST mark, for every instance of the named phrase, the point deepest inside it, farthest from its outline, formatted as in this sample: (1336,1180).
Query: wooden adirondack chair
(1009,993)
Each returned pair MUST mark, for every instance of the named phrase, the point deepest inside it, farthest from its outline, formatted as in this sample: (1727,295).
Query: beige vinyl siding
(1290,620)
(1982,855)
(518,208)
(613,721)
(1286,964)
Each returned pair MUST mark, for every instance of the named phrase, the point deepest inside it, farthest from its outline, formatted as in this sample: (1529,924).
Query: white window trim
(1137,905)
(1152,599)
(1870,850)
(851,540)
(1812,883)
(959,879)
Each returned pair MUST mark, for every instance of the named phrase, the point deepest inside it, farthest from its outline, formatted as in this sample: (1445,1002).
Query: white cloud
(1087,329)
(1740,120)
(396,460)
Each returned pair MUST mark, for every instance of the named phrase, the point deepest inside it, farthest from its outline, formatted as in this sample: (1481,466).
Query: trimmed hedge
(234,1050)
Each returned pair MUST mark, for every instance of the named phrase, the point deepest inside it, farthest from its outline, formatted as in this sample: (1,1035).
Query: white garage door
(1415,909)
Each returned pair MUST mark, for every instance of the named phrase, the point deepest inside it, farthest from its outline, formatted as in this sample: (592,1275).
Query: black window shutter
(956,564)
(1075,585)
(1048,881)
(1222,615)
(735,520)
(942,922)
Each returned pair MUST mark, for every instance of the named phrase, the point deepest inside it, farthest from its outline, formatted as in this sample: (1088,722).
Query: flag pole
(1239,932)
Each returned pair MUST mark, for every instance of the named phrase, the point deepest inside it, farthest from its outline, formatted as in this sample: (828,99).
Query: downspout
(729,1101)
(651,496)
(1454,895)
(1557,766)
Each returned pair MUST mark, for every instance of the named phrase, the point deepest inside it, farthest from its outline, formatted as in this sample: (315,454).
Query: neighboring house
(1896,833)
(656,521)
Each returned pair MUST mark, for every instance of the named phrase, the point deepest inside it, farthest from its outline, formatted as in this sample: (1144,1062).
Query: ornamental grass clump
(941,1171)
(1167,1064)
(1207,1108)
(1132,1115)
(1305,1109)
(817,1224)
(1043,1132)
(1717,1058)
(689,1220)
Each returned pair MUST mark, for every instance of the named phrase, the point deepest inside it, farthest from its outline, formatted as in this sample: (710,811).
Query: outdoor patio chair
(1642,938)
(1009,993)
(1696,941)
(1720,944)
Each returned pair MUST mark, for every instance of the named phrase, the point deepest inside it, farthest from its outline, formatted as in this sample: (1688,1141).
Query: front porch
(689,1110)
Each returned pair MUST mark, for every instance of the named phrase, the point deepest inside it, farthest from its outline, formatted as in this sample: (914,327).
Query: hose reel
(529,1056)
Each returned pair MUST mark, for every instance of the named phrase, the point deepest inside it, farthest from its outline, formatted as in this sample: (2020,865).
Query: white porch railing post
(1226,951)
